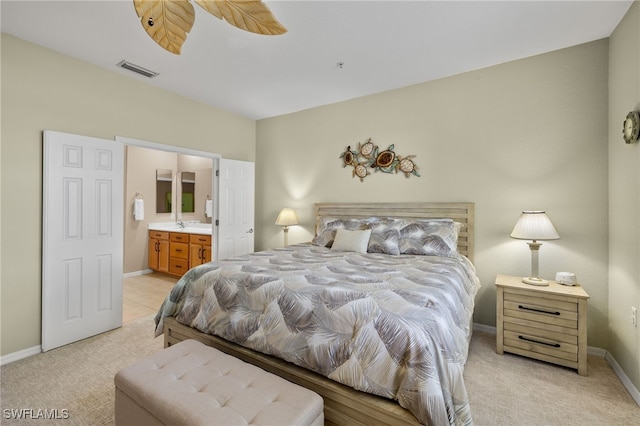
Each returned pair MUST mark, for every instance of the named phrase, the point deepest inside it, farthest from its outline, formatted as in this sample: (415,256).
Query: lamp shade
(287,217)
(534,225)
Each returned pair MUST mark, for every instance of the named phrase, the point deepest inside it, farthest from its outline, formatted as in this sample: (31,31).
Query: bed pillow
(385,236)
(430,237)
(347,240)
(328,226)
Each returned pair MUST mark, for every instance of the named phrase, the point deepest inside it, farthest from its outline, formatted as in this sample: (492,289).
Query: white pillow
(351,240)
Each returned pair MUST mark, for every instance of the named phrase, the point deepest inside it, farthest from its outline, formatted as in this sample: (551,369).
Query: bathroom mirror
(164,184)
(188,190)
(193,186)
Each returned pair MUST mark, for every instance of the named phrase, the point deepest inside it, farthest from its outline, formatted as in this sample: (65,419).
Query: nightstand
(546,323)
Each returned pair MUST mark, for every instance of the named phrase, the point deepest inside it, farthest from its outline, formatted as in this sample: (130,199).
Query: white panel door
(236,189)
(82,237)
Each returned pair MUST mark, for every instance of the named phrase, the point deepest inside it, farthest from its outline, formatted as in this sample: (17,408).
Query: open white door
(236,188)
(82,237)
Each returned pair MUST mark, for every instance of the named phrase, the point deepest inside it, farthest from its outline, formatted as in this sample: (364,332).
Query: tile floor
(143,294)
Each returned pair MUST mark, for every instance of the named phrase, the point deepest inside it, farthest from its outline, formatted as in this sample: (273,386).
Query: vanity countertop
(189,227)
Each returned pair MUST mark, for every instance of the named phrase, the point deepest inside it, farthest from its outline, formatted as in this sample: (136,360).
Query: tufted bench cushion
(193,384)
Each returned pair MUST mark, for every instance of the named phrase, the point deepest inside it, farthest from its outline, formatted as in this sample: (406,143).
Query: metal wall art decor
(369,156)
(168,21)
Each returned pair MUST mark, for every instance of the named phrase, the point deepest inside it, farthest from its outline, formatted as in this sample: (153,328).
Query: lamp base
(535,281)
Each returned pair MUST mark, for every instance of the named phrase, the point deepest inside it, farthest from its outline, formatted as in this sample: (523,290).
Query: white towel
(138,209)
(208,208)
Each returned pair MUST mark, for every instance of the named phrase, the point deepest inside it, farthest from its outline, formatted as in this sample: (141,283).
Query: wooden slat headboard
(460,212)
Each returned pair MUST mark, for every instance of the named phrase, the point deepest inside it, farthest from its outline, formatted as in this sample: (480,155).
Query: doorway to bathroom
(202,187)
(89,205)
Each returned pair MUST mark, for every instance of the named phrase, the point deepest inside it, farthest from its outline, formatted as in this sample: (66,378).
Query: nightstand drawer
(544,310)
(538,345)
(538,313)
(570,338)
(548,301)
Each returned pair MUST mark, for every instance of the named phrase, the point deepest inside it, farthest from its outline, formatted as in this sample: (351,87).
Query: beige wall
(42,90)
(624,196)
(529,134)
(141,178)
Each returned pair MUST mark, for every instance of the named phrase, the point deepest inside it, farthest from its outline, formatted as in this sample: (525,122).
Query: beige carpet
(503,389)
(76,377)
(513,390)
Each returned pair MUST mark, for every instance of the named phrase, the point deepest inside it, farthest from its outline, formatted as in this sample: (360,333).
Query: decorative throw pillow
(385,236)
(327,228)
(430,237)
(351,240)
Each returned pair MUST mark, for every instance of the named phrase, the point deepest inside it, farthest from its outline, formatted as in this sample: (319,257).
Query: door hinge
(217,222)
(217,173)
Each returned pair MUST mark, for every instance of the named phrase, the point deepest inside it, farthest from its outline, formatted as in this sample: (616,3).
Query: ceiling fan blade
(166,21)
(249,15)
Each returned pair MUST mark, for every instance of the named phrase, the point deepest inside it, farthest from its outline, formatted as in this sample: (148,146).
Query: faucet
(181,224)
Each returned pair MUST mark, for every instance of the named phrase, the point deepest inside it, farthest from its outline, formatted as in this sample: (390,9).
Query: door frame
(186,151)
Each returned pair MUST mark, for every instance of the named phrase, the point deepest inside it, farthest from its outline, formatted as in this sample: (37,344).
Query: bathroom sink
(195,230)
(189,227)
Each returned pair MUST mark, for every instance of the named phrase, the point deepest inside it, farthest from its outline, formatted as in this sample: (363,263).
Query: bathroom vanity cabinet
(159,251)
(199,249)
(176,252)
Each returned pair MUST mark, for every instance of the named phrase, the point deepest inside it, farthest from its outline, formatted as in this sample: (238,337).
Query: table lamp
(534,225)
(286,218)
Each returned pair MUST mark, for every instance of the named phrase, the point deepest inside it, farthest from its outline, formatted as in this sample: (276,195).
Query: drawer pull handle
(538,310)
(554,345)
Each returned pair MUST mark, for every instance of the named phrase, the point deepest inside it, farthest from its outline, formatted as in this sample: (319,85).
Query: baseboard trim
(484,328)
(136,273)
(626,382)
(15,356)
(599,352)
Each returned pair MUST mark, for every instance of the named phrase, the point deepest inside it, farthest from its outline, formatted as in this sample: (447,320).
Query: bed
(381,331)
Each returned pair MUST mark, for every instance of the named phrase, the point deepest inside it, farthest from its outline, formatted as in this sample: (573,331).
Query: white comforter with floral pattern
(395,326)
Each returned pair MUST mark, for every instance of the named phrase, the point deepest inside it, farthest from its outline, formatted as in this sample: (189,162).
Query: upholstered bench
(193,384)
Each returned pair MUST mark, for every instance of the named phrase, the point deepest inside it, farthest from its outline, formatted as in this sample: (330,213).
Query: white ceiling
(383,44)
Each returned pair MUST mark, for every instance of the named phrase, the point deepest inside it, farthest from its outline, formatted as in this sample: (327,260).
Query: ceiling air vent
(137,68)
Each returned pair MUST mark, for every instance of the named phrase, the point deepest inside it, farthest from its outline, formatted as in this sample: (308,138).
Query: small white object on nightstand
(566,278)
